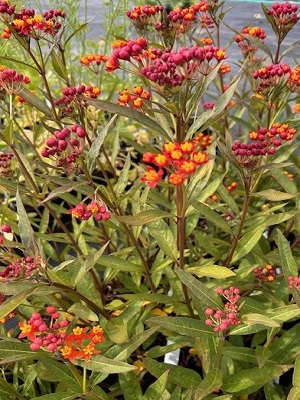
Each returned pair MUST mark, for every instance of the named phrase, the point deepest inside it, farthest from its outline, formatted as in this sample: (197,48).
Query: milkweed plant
(149,213)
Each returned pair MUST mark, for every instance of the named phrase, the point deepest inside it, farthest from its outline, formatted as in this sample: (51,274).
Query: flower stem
(84,381)
(242,221)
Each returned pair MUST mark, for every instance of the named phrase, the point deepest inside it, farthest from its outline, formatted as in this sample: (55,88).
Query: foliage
(149,205)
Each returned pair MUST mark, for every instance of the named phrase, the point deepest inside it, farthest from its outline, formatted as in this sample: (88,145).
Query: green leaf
(294,393)
(247,381)
(211,271)
(182,325)
(212,216)
(211,382)
(123,351)
(59,396)
(119,264)
(246,243)
(284,313)
(56,371)
(144,217)
(100,363)
(216,113)
(288,263)
(271,393)
(130,386)
(130,113)
(13,302)
(97,143)
(89,263)
(164,238)
(296,374)
(208,297)
(274,195)
(13,351)
(185,377)
(36,102)
(252,319)
(286,348)
(7,391)
(155,391)
(58,66)
(240,354)
(25,229)
(82,311)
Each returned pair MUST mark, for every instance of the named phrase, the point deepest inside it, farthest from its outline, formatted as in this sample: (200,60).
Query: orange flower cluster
(294,79)
(80,344)
(49,333)
(244,44)
(28,23)
(93,61)
(266,273)
(133,98)
(179,160)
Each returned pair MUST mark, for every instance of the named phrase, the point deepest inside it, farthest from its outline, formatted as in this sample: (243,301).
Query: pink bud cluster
(284,16)
(95,208)
(12,81)
(222,320)
(270,75)
(6,8)
(127,50)
(45,331)
(22,267)
(294,282)
(264,142)
(75,97)
(5,228)
(174,67)
(5,163)
(65,146)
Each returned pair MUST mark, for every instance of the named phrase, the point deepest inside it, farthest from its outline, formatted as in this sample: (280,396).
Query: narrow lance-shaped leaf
(208,297)
(26,231)
(130,113)
(36,102)
(100,363)
(143,217)
(182,325)
(97,143)
(288,263)
(211,382)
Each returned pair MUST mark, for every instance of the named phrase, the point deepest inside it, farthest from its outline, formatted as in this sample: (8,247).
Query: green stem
(90,303)
(84,381)
(242,221)
(219,353)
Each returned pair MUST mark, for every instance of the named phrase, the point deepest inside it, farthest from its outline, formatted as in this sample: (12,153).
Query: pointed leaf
(252,319)
(182,325)
(97,143)
(144,217)
(130,113)
(288,263)
(212,216)
(211,271)
(274,195)
(208,297)
(100,363)
(36,102)
(211,382)
(248,380)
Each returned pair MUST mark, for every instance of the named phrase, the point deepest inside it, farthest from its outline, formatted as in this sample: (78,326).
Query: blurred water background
(240,14)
